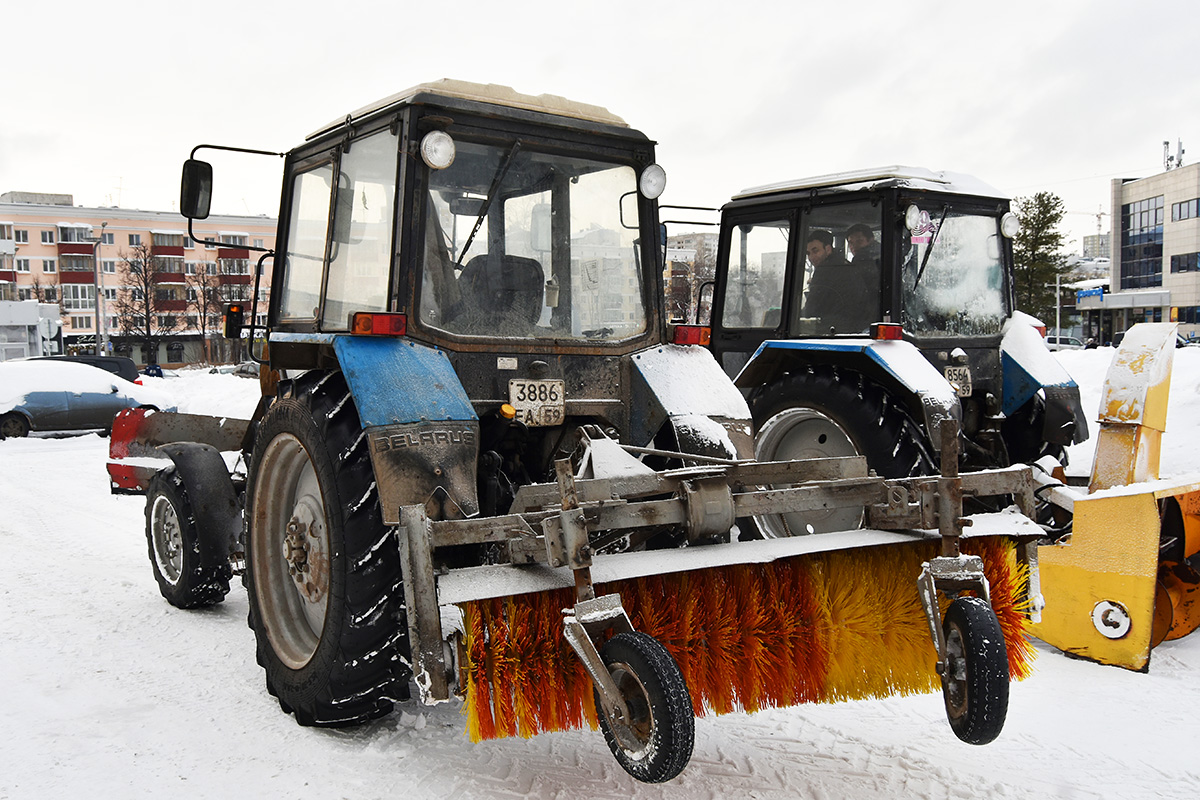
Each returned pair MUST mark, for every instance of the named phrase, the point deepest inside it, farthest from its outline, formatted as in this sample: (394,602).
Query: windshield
(953,276)
(531,244)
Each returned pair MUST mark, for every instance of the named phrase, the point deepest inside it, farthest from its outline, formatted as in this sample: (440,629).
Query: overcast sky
(105,100)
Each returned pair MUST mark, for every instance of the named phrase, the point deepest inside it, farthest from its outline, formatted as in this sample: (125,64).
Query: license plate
(960,379)
(538,403)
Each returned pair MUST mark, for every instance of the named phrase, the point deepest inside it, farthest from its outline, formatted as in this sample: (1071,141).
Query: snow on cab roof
(486,93)
(855,180)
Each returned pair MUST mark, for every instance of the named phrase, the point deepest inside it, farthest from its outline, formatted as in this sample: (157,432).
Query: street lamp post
(96,287)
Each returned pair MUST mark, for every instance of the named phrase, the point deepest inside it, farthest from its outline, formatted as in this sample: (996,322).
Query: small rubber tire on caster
(655,743)
(975,681)
(191,572)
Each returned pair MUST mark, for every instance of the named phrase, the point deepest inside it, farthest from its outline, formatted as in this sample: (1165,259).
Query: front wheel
(975,678)
(191,572)
(654,743)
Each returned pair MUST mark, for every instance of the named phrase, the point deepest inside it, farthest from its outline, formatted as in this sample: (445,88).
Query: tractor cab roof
(447,89)
(879,178)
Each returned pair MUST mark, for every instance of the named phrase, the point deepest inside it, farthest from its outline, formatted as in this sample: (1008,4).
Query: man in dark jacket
(844,296)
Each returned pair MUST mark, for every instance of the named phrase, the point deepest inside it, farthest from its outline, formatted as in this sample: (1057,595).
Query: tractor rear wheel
(322,580)
(824,412)
(975,678)
(191,571)
(655,743)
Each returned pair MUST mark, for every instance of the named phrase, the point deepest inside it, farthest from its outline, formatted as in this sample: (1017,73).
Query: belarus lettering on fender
(430,437)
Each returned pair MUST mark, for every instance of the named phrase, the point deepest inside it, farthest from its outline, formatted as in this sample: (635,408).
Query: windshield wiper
(932,242)
(501,171)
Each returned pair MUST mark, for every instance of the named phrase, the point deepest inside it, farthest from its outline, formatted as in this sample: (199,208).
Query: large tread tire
(975,686)
(662,722)
(877,425)
(337,659)
(191,569)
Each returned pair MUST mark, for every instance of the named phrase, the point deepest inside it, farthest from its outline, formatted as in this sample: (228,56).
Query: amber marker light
(887,331)
(368,324)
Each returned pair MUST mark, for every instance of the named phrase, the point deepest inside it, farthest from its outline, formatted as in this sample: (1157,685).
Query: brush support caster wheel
(654,743)
(975,676)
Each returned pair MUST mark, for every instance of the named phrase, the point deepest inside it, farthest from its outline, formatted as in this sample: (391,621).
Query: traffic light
(234,319)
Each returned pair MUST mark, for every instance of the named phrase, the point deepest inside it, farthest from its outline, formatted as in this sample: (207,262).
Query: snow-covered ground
(111,693)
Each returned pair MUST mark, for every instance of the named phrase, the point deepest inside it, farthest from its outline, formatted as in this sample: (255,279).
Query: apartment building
(52,251)
(1155,268)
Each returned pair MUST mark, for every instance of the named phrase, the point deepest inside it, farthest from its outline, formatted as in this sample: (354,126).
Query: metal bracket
(584,623)
(415,539)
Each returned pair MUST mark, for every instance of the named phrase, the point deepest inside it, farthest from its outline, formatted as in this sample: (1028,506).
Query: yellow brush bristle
(827,627)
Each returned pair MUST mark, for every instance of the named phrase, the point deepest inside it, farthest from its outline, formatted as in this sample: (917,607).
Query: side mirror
(235,318)
(195,192)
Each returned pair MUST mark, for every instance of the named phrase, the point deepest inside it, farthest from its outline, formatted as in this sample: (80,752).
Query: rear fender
(210,489)
(684,385)
(898,366)
(420,426)
(1027,368)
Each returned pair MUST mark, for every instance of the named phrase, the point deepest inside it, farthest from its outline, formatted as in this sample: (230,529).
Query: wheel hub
(303,551)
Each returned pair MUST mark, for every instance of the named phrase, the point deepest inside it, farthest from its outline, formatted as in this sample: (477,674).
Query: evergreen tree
(1037,253)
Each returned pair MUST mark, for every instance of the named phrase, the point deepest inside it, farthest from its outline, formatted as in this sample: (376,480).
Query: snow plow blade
(137,433)
(1125,578)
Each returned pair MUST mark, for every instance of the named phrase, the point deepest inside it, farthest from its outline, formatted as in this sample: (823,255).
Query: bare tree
(204,300)
(146,304)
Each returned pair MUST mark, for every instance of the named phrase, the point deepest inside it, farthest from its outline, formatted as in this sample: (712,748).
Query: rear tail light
(370,324)
(692,334)
(887,331)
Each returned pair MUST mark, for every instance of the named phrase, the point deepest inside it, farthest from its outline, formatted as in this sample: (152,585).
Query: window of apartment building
(74,233)
(1185,210)
(190,294)
(114,323)
(188,242)
(77,264)
(137,295)
(1142,243)
(24,293)
(51,294)
(233,239)
(6,231)
(78,297)
(189,268)
(81,323)
(1185,262)
(110,294)
(166,321)
(21,236)
(261,319)
(258,242)
(1188,315)
(109,266)
(48,265)
(22,265)
(135,239)
(234,266)
(106,238)
(167,239)
(47,237)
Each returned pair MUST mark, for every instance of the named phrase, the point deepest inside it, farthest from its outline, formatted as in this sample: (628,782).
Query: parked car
(60,395)
(117,365)
(246,369)
(1063,343)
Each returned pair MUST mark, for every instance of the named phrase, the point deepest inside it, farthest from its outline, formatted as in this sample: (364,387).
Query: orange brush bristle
(826,627)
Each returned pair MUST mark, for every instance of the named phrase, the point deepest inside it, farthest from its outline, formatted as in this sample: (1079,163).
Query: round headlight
(1010,226)
(652,181)
(437,150)
(912,217)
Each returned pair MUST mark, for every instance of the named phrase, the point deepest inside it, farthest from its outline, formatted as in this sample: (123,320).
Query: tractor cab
(810,272)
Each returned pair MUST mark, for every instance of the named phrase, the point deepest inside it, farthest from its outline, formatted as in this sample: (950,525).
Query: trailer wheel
(822,412)
(322,578)
(975,681)
(655,743)
(13,425)
(191,572)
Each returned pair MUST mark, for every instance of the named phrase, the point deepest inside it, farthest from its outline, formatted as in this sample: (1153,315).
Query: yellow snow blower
(1123,575)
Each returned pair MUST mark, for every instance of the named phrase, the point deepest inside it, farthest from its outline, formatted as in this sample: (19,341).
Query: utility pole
(99,299)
